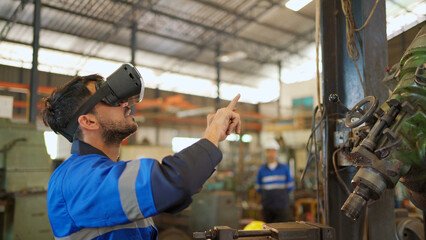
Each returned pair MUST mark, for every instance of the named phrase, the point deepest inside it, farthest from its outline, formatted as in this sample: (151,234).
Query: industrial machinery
(389,142)
(212,209)
(386,143)
(25,168)
(272,231)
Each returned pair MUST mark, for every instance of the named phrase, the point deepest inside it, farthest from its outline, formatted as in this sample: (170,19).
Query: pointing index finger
(232,105)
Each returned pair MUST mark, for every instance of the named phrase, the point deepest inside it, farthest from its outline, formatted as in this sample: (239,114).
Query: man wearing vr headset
(92,195)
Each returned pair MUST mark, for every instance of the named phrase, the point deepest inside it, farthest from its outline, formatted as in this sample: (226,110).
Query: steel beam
(218,31)
(12,20)
(108,59)
(279,64)
(218,76)
(133,43)
(340,76)
(236,19)
(34,71)
(337,67)
(223,32)
(375,52)
(104,38)
(402,6)
(94,18)
(248,19)
(199,46)
(235,33)
(133,47)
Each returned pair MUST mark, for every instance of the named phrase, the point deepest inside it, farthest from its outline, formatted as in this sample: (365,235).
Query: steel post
(340,76)
(218,66)
(34,71)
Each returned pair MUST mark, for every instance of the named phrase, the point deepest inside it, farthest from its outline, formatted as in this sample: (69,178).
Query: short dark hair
(64,101)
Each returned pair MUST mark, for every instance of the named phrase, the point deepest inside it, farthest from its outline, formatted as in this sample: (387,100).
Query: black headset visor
(124,85)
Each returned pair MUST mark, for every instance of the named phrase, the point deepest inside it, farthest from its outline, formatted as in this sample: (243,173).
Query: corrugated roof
(177,35)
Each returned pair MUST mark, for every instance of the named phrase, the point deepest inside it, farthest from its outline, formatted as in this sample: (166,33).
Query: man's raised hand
(223,122)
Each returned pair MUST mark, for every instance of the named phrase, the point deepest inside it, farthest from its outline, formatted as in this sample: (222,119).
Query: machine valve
(362,112)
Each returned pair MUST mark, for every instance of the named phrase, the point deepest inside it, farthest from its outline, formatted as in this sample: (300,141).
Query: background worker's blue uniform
(274,185)
(92,197)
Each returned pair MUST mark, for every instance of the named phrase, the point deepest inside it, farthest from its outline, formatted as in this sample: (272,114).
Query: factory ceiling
(175,36)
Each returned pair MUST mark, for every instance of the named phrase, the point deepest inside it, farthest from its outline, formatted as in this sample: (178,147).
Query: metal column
(34,71)
(279,88)
(381,215)
(340,76)
(133,43)
(218,76)
(133,47)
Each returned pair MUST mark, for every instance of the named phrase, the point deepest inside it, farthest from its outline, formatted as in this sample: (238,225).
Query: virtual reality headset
(124,85)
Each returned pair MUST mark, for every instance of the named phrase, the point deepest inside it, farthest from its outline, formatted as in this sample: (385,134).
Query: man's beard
(115,133)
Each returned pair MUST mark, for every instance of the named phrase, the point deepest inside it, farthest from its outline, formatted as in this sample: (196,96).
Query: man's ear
(88,122)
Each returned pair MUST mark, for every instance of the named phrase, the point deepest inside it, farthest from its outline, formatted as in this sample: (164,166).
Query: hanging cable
(312,145)
(317,40)
(309,143)
(351,45)
(369,16)
(316,174)
(337,171)
(326,164)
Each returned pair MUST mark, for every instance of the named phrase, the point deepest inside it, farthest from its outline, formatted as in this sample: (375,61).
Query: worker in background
(92,195)
(274,183)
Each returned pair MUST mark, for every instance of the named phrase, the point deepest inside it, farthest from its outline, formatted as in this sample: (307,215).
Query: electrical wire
(312,145)
(309,142)
(309,145)
(325,175)
(316,175)
(317,39)
(316,126)
(322,109)
(369,16)
(351,45)
(335,168)
(320,206)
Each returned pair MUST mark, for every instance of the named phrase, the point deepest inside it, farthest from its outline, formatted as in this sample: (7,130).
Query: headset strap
(72,126)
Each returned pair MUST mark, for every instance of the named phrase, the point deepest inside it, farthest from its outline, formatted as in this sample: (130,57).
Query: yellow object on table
(255,225)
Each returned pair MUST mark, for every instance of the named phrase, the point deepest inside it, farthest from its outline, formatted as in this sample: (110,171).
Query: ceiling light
(232,56)
(233,137)
(296,5)
(246,138)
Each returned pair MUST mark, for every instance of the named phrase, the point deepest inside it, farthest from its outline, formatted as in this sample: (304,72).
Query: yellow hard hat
(255,225)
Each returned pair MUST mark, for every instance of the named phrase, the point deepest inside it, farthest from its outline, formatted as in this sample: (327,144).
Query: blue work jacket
(274,186)
(90,196)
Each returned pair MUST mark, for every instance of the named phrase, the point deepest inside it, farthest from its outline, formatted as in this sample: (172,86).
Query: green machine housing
(25,169)
(391,145)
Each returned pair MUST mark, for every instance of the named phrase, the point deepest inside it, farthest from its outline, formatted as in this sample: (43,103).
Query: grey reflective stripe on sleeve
(126,187)
(90,233)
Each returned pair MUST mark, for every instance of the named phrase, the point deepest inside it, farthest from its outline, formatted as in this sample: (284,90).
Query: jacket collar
(278,165)
(82,148)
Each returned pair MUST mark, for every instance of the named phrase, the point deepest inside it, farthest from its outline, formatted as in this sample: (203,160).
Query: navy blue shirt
(92,197)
